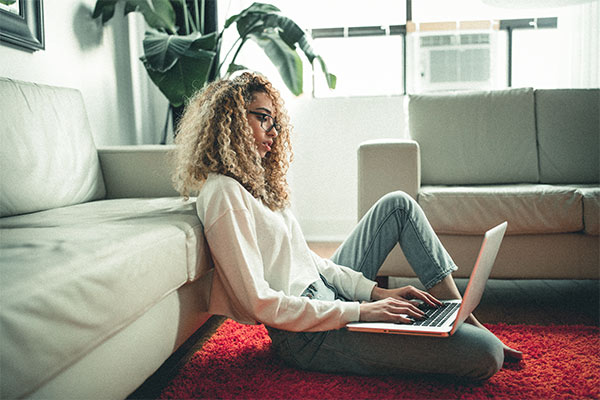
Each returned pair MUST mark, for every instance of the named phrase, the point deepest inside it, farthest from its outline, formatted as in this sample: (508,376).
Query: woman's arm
(239,269)
(389,305)
(349,283)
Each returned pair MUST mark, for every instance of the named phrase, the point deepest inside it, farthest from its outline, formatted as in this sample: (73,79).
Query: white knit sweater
(263,264)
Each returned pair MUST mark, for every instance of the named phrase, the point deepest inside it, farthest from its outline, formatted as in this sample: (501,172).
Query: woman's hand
(390,310)
(394,305)
(405,293)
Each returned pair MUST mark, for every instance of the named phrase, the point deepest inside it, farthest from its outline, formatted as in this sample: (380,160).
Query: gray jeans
(396,218)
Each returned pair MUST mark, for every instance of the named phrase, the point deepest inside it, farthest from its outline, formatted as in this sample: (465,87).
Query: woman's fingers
(399,307)
(429,299)
(390,310)
(400,319)
(411,292)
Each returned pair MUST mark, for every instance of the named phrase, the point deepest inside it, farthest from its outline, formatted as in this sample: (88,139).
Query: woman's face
(262,122)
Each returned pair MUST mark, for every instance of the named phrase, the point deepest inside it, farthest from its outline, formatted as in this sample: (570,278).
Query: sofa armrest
(136,171)
(387,165)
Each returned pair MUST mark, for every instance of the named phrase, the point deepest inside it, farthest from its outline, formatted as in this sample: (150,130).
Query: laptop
(446,319)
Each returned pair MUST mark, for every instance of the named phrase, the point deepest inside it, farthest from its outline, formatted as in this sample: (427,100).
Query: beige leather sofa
(475,159)
(103,269)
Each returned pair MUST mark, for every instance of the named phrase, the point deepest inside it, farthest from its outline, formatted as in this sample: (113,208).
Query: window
(365,64)
(538,47)
(360,42)
(383,47)
(453,60)
(537,56)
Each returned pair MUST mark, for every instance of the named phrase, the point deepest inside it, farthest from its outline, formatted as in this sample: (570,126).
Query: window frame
(508,25)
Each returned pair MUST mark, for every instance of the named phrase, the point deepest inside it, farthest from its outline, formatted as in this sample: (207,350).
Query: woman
(233,150)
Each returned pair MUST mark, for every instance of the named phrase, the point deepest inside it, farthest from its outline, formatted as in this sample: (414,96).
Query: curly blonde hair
(214,136)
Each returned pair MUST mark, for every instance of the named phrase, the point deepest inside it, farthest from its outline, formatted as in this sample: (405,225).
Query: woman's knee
(487,356)
(396,200)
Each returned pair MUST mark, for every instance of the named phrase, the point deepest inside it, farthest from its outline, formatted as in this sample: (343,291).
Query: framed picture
(22,24)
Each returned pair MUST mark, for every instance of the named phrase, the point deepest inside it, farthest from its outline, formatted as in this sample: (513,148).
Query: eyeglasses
(267,122)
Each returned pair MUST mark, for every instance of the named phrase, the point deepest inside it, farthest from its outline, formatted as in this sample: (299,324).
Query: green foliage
(180,60)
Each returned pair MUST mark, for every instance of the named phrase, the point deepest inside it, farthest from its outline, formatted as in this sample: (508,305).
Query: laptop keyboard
(436,316)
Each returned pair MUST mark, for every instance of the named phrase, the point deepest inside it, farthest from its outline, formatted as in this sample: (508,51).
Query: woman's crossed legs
(471,352)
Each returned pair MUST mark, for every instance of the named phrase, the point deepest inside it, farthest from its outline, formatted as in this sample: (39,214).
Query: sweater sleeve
(239,267)
(350,283)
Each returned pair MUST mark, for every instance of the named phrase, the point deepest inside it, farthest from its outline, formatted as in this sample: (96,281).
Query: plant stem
(227,55)
(200,15)
(238,50)
(188,18)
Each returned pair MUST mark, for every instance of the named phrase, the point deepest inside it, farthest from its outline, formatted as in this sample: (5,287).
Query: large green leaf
(104,8)
(179,65)
(206,42)
(331,78)
(311,55)
(235,67)
(159,14)
(161,51)
(286,60)
(187,75)
(293,35)
(260,18)
(255,8)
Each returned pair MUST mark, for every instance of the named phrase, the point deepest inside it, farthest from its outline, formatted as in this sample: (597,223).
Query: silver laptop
(445,320)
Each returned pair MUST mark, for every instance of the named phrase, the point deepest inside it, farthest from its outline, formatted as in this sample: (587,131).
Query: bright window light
(365,66)
(373,64)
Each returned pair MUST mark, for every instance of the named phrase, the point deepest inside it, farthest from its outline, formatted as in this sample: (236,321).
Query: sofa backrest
(47,154)
(482,137)
(568,131)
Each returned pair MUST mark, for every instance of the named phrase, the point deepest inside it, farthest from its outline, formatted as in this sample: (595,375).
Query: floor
(538,302)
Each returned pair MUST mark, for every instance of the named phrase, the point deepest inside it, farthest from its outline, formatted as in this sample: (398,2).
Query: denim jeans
(396,218)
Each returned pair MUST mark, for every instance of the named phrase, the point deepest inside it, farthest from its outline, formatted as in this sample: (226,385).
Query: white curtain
(584,34)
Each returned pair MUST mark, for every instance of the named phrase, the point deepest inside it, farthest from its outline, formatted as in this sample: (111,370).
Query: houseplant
(181,57)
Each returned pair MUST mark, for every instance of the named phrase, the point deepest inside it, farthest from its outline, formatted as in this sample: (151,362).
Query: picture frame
(22,24)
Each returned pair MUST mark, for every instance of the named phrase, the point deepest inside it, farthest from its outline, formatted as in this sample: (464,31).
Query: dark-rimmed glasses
(267,122)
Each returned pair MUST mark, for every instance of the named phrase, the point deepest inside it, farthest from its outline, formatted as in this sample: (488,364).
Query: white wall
(323,176)
(80,54)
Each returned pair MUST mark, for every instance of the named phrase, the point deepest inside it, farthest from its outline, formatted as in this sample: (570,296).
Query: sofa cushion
(569,135)
(74,276)
(475,137)
(591,207)
(47,158)
(528,208)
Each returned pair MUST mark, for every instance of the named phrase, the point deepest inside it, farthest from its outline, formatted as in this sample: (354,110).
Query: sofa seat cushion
(528,208)
(591,207)
(72,277)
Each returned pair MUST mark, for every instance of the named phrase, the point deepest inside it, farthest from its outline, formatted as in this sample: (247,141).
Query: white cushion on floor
(528,208)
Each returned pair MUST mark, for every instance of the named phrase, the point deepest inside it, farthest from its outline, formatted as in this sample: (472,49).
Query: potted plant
(180,56)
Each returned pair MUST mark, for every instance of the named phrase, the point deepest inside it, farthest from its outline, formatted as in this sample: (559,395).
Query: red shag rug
(561,362)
